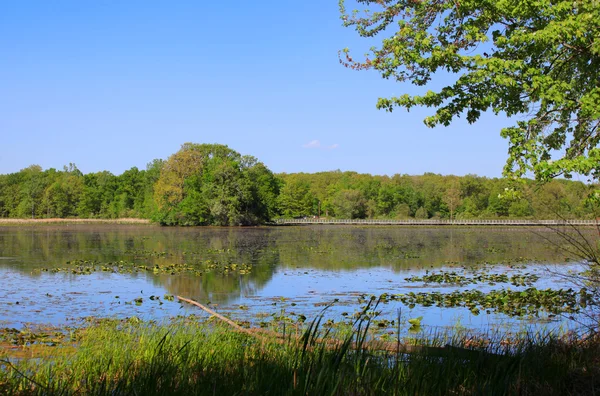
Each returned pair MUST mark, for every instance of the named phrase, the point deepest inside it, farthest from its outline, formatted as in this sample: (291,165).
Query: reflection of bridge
(432,222)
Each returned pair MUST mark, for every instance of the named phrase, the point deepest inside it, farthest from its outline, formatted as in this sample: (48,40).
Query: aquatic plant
(530,301)
(86,267)
(191,357)
(453,277)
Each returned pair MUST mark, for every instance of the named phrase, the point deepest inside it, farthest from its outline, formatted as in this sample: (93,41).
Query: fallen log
(374,346)
(219,316)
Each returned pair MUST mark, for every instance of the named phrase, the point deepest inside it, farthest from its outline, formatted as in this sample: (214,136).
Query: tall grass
(184,357)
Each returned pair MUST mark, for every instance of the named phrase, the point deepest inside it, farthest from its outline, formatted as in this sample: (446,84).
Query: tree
(452,199)
(473,189)
(151,176)
(204,184)
(537,60)
(296,199)
(31,190)
(130,192)
(63,195)
(98,193)
(550,201)
(262,188)
(498,204)
(421,213)
(350,204)
(520,208)
(386,199)
(402,211)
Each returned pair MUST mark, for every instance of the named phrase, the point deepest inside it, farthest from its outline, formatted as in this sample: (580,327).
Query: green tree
(98,194)
(151,176)
(296,198)
(537,60)
(206,184)
(129,193)
(520,208)
(474,191)
(551,201)
(262,188)
(31,191)
(452,198)
(402,211)
(498,205)
(4,186)
(11,194)
(421,213)
(350,204)
(386,200)
(63,195)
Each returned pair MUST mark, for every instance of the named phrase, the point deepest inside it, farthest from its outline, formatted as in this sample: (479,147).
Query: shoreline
(73,221)
(507,223)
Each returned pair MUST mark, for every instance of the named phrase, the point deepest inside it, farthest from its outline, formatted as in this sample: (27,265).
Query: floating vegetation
(317,250)
(415,323)
(147,253)
(410,255)
(208,251)
(514,262)
(41,336)
(515,303)
(86,267)
(526,279)
(218,251)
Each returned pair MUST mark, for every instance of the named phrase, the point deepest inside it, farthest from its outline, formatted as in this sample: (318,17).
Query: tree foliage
(536,61)
(353,195)
(211,184)
(296,199)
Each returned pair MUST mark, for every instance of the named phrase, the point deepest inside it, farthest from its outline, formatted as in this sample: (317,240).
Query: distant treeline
(210,184)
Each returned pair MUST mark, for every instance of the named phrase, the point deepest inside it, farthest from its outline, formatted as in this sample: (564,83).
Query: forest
(211,184)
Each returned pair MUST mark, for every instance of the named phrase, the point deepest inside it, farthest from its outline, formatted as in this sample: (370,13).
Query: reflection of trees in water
(53,246)
(249,246)
(210,287)
(320,247)
(339,247)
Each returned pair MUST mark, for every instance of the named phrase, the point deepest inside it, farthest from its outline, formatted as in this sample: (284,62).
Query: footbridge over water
(436,222)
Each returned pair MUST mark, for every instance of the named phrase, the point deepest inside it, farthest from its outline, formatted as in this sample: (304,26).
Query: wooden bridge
(432,222)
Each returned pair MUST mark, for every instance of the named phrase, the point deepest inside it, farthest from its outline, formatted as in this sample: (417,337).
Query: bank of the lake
(35,222)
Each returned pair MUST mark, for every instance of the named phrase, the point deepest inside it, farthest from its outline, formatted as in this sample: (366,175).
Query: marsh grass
(187,357)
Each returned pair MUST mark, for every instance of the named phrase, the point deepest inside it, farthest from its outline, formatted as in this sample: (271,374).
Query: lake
(57,275)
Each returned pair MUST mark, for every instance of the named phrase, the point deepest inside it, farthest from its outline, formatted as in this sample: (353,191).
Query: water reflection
(344,258)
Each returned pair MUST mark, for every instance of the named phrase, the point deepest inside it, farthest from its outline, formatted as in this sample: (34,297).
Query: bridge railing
(524,222)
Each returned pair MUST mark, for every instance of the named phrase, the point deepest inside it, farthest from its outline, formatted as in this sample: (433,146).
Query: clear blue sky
(109,85)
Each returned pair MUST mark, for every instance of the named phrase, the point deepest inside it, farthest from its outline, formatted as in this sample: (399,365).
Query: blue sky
(109,85)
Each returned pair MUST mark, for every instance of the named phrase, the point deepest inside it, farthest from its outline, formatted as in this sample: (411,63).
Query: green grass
(186,357)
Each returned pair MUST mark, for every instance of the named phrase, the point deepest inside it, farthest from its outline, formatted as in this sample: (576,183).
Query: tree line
(211,184)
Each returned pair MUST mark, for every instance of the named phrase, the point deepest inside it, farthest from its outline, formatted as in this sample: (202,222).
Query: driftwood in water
(219,316)
(394,347)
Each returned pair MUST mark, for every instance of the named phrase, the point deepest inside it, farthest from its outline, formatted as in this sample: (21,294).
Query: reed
(186,357)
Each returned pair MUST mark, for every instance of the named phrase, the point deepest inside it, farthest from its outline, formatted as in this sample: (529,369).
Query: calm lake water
(289,270)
